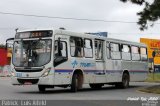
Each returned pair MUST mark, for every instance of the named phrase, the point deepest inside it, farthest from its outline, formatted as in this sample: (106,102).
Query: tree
(150,13)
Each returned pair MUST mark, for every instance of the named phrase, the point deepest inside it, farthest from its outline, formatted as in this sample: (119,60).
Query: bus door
(60,49)
(100,63)
(113,62)
(60,60)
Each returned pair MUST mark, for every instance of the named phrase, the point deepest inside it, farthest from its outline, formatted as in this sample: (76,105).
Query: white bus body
(64,58)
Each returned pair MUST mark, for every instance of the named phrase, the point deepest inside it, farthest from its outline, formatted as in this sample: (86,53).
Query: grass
(153,77)
(153,89)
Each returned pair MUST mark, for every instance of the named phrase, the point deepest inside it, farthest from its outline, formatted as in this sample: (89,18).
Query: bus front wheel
(74,85)
(77,81)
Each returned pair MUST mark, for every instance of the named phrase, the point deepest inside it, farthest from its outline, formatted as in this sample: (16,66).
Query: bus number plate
(27,83)
(18,74)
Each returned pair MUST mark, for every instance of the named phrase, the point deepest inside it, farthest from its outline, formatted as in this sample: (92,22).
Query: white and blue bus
(50,58)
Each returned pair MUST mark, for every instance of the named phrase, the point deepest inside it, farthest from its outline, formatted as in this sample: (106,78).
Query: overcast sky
(109,10)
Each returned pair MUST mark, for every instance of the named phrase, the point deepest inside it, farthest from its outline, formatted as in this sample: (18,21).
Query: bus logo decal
(74,63)
(87,64)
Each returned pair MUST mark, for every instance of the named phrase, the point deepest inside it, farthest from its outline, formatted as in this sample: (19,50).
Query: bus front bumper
(48,80)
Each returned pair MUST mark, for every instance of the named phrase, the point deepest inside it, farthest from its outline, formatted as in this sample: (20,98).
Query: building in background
(9,54)
(153,45)
(3,57)
(5,60)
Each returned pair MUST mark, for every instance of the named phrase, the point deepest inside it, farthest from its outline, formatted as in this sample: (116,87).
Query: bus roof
(35,29)
(126,42)
(99,37)
(84,35)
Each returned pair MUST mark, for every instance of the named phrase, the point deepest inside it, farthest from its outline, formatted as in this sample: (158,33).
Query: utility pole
(153,55)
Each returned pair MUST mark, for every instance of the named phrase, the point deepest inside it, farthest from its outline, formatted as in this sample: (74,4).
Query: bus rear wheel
(41,88)
(125,82)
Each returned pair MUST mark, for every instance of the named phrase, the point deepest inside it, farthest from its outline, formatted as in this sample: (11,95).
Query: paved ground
(8,91)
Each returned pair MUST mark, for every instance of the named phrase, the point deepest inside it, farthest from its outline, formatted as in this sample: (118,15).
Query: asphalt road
(8,91)
(107,96)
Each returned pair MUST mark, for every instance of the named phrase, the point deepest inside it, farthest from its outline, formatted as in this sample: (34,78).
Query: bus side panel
(62,75)
(64,71)
(113,70)
(99,74)
(126,65)
(89,68)
(139,71)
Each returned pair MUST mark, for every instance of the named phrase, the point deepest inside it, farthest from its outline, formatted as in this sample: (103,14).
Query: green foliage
(153,77)
(140,2)
(153,89)
(150,13)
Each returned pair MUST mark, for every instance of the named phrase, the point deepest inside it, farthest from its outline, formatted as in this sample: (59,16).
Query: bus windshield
(31,53)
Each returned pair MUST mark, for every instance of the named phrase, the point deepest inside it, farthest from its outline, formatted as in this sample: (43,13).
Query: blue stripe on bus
(93,71)
(138,71)
(114,71)
(107,71)
(60,71)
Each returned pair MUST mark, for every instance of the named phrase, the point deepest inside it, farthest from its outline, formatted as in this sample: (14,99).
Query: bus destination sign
(33,34)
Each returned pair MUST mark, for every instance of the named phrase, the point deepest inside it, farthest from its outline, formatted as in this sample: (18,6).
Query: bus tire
(96,86)
(125,81)
(41,88)
(74,84)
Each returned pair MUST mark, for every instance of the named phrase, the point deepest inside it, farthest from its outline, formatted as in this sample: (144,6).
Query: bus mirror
(61,46)
(153,54)
(8,40)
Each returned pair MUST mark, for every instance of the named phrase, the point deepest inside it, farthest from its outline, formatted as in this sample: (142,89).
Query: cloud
(110,10)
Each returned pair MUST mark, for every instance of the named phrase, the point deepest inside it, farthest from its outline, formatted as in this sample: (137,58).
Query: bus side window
(60,53)
(115,51)
(143,52)
(126,55)
(99,49)
(76,44)
(63,49)
(108,50)
(88,50)
(135,53)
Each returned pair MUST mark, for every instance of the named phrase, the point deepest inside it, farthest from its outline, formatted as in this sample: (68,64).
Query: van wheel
(41,88)
(77,81)
(125,81)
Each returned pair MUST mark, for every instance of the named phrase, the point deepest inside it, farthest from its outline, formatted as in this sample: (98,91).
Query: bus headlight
(46,72)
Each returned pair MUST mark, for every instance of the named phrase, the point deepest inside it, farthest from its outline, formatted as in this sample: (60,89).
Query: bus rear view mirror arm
(9,39)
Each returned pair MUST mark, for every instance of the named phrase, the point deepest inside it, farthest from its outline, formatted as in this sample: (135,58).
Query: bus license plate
(18,74)
(27,83)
